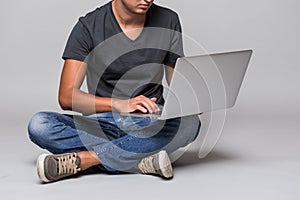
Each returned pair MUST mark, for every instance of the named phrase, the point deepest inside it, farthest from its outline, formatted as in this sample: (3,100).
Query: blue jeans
(119,142)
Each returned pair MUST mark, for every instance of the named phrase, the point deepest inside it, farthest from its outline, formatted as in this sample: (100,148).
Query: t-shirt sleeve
(176,46)
(79,44)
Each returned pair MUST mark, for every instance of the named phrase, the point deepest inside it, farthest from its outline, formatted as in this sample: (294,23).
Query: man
(121,48)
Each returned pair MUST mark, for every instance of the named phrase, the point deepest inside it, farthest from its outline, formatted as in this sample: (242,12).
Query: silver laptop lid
(205,83)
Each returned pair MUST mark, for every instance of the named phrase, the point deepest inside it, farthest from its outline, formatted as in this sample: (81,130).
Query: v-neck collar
(121,30)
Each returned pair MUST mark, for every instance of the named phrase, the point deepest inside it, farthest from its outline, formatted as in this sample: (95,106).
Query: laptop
(202,83)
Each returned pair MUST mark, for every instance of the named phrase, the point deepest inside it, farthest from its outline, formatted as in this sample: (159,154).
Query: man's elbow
(65,102)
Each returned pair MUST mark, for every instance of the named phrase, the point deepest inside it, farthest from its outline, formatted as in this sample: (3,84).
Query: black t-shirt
(119,67)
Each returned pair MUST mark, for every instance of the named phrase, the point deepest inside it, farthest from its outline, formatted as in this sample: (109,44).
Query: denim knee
(197,131)
(192,127)
(37,126)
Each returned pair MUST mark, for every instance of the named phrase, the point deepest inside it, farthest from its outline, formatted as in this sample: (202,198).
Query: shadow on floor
(190,158)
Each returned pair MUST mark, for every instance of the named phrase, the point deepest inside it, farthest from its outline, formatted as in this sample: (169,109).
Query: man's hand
(139,103)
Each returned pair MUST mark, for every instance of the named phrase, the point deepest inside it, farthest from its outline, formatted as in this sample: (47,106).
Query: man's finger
(141,108)
(153,99)
(147,105)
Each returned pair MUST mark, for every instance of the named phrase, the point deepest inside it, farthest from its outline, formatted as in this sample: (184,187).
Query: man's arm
(72,98)
(169,69)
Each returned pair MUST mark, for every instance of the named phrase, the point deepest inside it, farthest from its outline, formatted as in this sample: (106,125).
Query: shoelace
(146,165)
(67,164)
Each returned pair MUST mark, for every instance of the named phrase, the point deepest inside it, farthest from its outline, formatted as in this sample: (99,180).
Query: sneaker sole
(40,167)
(165,165)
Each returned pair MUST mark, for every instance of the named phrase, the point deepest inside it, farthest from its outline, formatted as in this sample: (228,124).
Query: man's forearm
(85,103)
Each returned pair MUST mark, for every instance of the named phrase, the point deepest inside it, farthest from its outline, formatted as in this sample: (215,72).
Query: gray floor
(256,158)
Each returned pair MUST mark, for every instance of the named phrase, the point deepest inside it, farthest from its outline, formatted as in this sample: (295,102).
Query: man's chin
(141,11)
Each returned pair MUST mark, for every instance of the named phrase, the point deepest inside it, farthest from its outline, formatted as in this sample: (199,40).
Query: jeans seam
(114,146)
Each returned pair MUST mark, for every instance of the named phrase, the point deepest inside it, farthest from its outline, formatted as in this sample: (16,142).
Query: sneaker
(54,167)
(157,164)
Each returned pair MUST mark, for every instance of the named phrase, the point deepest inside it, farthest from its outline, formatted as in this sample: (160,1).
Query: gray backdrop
(33,36)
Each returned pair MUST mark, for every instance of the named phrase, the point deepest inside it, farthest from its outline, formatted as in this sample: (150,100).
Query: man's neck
(125,17)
